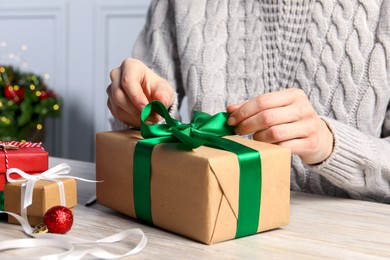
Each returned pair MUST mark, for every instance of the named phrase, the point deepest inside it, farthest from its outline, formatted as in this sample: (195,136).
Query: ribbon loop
(201,123)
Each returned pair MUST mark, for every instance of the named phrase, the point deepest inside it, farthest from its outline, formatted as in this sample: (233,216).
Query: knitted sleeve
(156,46)
(358,111)
(360,162)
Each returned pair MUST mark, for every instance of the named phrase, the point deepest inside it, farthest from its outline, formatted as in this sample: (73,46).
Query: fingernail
(141,106)
(231,120)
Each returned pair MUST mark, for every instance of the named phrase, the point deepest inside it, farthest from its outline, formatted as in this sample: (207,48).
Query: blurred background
(72,45)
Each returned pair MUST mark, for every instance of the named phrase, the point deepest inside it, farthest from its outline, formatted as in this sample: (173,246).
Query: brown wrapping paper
(194,193)
(46,195)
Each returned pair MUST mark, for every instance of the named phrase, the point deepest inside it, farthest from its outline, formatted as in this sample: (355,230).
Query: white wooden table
(321,227)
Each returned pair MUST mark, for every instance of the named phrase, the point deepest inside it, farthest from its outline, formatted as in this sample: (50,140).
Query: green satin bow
(203,129)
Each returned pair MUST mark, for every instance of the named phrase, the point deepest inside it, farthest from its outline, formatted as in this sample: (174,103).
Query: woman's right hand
(133,85)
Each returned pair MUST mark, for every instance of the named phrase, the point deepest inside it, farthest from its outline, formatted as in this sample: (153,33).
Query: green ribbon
(1,200)
(203,129)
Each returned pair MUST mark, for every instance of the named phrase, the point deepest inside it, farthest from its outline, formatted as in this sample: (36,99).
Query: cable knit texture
(220,52)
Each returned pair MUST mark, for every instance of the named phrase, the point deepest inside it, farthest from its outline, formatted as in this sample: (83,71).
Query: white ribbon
(67,243)
(52,174)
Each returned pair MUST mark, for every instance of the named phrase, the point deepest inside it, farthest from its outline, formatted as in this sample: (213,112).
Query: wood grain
(320,227)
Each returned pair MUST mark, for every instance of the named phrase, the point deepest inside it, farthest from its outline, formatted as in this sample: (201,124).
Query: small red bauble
(58,219)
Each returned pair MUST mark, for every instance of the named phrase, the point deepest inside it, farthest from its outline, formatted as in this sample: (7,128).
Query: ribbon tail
(29,188)
(59,169)
(78,178)
(23,209)
(62,193)
(67,243)
(61,189)
(142,176)
(28,230)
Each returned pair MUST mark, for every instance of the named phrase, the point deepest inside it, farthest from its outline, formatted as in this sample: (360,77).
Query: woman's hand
(133,85)
(288,119)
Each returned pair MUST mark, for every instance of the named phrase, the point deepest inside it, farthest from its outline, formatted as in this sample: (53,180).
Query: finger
(129,118)
(284,132)
(133,75)
(164,93)
(124,110)
(269,118)
(115,75)
(231,108)
(264,102)
(118,98)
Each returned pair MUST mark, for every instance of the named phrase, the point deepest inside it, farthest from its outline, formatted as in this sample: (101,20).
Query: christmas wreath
(25,102)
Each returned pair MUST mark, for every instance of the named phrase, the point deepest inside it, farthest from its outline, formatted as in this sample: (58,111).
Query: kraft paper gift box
(194,193)
(46,194)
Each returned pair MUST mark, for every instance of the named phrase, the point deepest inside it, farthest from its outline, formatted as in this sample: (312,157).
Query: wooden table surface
(320,228)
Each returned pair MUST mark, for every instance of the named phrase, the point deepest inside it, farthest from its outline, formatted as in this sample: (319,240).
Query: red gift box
(29,157)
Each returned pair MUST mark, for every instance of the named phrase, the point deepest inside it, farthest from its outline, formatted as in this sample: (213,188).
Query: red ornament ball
(58,219)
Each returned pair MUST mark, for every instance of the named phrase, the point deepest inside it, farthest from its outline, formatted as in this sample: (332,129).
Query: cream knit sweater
(220,52)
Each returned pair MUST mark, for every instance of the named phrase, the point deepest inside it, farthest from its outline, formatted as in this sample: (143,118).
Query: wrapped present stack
(27,156)
(188,179)
(29,188)
(45,194)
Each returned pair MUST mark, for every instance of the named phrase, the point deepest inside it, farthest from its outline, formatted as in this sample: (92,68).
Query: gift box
(29,158)
(194,193)
(46,194)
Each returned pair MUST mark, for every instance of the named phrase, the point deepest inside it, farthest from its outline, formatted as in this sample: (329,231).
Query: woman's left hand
(286,118)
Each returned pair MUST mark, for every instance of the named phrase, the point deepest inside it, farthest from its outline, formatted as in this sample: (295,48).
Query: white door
(75,43)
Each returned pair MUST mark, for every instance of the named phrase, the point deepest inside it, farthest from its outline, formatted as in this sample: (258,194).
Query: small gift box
(33,195)
(27,156)
(208,194)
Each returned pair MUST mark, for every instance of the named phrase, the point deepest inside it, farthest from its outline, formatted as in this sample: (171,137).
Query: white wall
(77,43)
